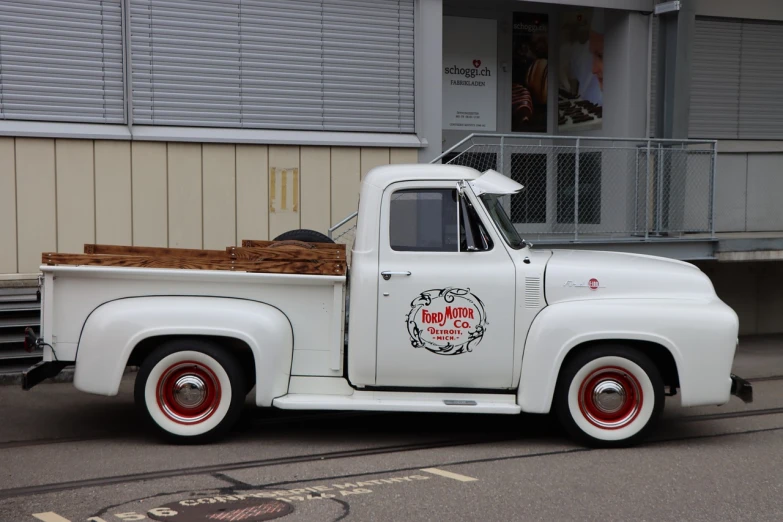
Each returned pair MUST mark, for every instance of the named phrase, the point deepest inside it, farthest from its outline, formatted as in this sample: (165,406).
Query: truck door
(445,298)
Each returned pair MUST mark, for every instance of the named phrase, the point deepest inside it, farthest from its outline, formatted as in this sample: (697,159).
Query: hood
(583,274)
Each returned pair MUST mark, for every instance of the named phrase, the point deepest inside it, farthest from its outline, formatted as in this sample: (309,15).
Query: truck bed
(304,281)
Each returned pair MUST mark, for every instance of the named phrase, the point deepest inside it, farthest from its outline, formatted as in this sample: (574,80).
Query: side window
(425,220)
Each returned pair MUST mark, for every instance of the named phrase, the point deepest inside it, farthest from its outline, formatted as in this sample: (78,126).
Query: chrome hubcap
(609,396)
(189,391)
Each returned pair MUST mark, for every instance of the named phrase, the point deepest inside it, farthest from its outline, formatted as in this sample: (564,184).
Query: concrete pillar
(428,54)
(675,40)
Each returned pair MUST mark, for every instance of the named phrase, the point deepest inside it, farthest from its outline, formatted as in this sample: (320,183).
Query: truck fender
(561,327)
(114,329)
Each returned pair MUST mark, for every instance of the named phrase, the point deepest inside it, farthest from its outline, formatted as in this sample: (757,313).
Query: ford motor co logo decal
(449,321)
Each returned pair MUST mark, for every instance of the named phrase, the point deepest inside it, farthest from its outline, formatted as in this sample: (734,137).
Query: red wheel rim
(188,392)
(610,398)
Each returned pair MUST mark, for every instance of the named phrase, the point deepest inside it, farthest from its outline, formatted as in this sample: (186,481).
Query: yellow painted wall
(57,194)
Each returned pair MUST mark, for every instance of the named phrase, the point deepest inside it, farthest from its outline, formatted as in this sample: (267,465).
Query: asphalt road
(68,456)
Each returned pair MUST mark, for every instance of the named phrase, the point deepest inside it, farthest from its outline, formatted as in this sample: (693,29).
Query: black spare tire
(303,234)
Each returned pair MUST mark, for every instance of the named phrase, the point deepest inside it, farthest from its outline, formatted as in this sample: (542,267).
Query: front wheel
(191,390)
(609,396)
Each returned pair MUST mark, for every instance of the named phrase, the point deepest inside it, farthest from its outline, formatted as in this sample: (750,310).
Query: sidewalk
(759,356)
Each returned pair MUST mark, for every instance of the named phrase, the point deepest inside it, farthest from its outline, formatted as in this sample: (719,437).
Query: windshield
(499,216)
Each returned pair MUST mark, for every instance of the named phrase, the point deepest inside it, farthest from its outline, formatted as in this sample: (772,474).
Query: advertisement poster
(469,74)
(581,74)
(529,72)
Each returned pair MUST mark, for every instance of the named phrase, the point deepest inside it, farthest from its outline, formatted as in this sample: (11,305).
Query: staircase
(20,307)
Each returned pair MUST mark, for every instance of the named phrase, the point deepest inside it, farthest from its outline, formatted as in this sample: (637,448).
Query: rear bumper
(741,388)
(41,371)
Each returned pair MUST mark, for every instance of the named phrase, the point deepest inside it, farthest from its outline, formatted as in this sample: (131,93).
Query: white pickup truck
(450,311)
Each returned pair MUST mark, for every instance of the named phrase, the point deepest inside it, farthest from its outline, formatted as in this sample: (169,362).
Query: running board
(375,401)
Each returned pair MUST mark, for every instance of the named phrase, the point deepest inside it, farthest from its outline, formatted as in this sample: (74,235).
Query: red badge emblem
(593,284)
(476,63)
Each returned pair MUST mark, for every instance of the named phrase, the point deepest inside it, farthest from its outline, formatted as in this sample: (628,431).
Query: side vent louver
(532,292)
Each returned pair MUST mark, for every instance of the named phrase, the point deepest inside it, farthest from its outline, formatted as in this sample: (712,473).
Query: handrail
(341,223)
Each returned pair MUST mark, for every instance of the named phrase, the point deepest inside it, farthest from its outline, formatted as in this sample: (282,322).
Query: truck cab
(436,283)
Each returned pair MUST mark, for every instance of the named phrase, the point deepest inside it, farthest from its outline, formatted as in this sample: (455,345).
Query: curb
(11,379)
(65,376)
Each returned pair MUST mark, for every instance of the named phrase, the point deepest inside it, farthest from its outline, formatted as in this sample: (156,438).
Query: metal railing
(585,189)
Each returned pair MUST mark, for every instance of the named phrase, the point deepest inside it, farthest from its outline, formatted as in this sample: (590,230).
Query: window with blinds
(61,60)
(344,65)
(737,70)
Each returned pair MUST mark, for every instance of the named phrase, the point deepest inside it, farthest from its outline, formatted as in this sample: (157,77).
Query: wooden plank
(113,214)
(74,162)
(373,157)
(184,195)
(8,261)
(346,178)
(252,191)
(284,197)
(220,193)
(35,190)
(148,174)
(250,243)
(293,254)
(330,267)
(316,188)
(118,250)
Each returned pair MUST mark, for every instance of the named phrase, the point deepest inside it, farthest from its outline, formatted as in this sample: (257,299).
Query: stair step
(13,322)
(8,352)
(18,306)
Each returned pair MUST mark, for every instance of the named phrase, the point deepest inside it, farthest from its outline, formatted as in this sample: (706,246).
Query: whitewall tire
(609,396)
(191,390)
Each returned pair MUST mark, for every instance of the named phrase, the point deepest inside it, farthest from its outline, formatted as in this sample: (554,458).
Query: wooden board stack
(274,257)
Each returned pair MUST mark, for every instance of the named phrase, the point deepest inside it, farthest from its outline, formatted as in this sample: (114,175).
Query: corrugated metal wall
(57,194)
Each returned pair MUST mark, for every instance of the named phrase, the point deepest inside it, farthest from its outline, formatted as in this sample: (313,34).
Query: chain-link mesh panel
(600,189)
(580,189)
(345,234)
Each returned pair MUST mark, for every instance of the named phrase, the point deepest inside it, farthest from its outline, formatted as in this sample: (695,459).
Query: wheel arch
(123,332)
(658,353)
(237,347)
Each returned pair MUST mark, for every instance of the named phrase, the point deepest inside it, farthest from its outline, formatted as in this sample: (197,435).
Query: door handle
(387,275)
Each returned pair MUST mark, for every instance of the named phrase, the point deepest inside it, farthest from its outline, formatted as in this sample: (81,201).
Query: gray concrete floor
(78,457)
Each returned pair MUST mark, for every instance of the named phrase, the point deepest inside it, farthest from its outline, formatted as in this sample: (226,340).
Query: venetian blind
(299,64)
(715,79)
(61,60)
(736,74)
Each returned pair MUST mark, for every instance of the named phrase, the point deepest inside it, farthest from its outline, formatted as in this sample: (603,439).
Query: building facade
(196,123)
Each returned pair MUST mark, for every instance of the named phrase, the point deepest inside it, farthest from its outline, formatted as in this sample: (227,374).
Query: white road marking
(449,474)
(50,517)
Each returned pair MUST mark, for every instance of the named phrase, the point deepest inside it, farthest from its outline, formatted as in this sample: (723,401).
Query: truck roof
(385,175)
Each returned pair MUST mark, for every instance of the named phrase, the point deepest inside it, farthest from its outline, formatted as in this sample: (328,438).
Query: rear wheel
(191,390)
(609,396)
(303,234)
